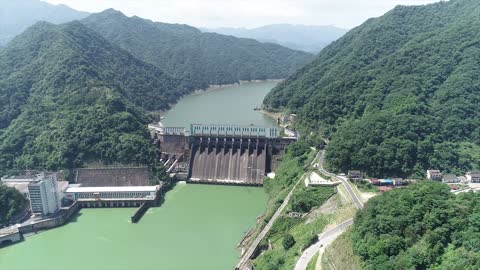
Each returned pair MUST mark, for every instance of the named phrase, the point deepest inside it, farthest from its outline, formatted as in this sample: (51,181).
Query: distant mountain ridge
(18,15)
(198,59)
(308,38)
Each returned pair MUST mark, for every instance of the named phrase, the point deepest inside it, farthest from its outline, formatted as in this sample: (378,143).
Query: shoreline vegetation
(220,86)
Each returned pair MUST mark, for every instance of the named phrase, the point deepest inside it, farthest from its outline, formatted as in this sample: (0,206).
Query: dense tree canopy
(420,227)
(199,59)
(12,203)
(68,96)
(398,94)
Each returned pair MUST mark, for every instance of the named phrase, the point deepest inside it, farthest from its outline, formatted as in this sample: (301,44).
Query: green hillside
(396,95)
(68,96)
(424,226)
(199,59)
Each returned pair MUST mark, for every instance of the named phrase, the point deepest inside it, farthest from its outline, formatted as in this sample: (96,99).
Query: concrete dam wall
(220,154)
(241,161)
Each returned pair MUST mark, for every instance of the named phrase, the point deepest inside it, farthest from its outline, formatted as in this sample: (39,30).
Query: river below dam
(197,227)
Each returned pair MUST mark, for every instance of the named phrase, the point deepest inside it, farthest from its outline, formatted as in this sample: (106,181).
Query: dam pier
(220,154)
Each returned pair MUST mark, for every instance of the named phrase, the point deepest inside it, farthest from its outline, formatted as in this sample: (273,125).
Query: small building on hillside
(354,175)
(462,179)
(435,175)
(399,182)
(450,178)
(76,193)
(44,195)
(43,190)
(386,182)
(473,177)
(374,181)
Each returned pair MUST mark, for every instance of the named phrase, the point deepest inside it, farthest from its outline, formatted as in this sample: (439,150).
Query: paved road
(357,201)
(329,236)
(324,239)
(247,255)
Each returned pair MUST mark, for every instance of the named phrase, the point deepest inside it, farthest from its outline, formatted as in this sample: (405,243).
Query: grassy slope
(278,257)
(339,255)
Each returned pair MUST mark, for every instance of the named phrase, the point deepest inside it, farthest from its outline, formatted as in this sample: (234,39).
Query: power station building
(44,194)
(43,190)
(111,193)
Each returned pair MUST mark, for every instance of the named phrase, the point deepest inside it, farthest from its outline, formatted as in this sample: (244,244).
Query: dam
(197,227)
(220,154)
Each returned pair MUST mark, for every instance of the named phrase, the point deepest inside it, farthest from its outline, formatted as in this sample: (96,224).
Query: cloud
(247,13)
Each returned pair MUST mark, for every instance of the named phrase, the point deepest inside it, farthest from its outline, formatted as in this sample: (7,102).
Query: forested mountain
(398,94)
(68,96)
(424,226)
(199,59)
(18,15)
(308,38)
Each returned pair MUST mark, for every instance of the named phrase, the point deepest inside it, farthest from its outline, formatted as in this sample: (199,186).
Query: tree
(159,175)
(288,242)
(12,202)
(419,227)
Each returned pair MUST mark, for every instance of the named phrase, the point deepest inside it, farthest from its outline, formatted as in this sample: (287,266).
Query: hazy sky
(247,13)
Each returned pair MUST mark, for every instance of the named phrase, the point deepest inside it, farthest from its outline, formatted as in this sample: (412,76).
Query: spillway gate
(223,154)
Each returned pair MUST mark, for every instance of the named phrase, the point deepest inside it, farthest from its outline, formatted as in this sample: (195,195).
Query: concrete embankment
(60,219)
(140,212)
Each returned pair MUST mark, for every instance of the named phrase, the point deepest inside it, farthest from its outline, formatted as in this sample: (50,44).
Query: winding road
(330,235)
(357,201)
(324,239)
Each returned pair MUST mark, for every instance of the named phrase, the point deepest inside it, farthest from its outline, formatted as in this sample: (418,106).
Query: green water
(227,105)
(197,227)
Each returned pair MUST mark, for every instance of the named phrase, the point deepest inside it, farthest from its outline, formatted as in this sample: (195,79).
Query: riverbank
(220,86)
(273,115)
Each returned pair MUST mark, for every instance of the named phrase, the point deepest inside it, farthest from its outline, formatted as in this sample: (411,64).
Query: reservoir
(225,105)
(197,227)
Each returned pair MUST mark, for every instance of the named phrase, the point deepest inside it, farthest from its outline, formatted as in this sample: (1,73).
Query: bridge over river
(221,154)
